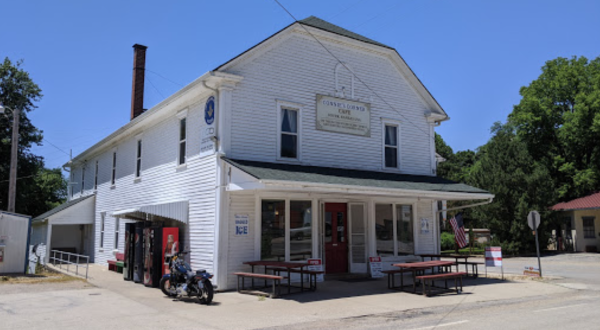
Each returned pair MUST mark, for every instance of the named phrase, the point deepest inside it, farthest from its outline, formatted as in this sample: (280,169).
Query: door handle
(334,244)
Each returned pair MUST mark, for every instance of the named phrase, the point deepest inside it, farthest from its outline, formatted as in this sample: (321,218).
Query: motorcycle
(182,281)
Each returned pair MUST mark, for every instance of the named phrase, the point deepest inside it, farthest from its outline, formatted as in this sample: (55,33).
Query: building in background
(580,224)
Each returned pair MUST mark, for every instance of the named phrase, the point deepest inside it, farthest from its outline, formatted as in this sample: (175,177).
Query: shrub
(448,242)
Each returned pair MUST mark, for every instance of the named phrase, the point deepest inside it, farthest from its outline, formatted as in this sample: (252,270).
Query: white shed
(14,242)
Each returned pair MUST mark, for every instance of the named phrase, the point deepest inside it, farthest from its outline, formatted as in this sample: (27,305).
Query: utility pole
(12,180)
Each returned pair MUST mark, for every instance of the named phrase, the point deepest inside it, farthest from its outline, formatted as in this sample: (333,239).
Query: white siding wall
(425,241)
(299,68)
(162,181)
(241,248)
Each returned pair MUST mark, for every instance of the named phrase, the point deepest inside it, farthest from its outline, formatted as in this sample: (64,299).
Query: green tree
(38,189)
(558,118)
(519,183)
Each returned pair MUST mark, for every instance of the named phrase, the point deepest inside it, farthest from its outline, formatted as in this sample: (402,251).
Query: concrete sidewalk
(332,300)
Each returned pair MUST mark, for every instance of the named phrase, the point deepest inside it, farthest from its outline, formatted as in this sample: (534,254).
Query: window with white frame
(394,230)
(589,230)
(117,223)
(96,177)
(286,236)
(138,160)
(391,149)
(113,177)
(289,136)
(182,141)
(102,220)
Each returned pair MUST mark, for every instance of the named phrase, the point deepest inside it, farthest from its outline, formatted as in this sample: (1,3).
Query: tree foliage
(38,189)
(548,151)
(558,118)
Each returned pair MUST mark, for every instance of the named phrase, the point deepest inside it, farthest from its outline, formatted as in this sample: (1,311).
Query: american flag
(459,230)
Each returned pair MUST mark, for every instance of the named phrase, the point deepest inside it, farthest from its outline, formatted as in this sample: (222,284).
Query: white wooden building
(315,143)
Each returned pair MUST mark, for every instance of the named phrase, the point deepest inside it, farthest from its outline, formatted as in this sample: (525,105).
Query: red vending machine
(170,246)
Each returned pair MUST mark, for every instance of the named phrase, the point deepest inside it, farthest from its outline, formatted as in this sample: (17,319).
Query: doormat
(359,279)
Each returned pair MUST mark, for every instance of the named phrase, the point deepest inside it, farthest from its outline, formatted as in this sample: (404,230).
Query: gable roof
(584,203)
(61,207)
(326,26)
(320,24)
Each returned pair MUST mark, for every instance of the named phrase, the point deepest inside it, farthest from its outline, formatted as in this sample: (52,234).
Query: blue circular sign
(209,111)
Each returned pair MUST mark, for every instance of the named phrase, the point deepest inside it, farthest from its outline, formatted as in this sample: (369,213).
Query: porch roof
(358,178)
(70,205)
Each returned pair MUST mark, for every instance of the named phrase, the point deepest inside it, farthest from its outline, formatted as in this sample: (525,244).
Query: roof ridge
(322,24)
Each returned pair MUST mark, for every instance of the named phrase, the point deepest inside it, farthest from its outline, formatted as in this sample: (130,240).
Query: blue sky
(473,56)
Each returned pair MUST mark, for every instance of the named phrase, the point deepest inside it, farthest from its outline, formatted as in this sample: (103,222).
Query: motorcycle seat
(201,271)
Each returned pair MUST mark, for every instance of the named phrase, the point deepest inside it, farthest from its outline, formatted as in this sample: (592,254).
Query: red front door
(336,238)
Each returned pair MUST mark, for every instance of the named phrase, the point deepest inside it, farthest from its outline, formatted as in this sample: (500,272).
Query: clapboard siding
(241,248)
(162,181)
(426,241)
(297,69)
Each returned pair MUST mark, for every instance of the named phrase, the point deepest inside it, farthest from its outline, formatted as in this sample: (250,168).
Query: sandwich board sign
(316,265)
(493,258)
(375,267)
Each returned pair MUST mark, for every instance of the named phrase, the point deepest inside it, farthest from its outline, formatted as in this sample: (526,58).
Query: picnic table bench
(474,267)
(275,278)
(117,265)
(430,279)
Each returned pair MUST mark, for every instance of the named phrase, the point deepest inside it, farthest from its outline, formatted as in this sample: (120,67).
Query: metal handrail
(67,261)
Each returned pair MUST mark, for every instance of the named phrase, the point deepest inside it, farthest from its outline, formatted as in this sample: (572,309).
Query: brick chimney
(139,70)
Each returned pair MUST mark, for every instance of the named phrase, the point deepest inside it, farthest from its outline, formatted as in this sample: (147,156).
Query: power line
(353,74)
(380,14)
(165,78)
(345,9)
(52,144)
(156,89)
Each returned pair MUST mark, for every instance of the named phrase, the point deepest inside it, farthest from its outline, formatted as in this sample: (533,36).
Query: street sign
(533,219)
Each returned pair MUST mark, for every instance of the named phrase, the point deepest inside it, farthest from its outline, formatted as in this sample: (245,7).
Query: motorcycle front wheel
(165,287)
(207,293)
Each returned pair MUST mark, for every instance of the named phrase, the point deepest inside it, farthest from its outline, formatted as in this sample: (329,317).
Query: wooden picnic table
(420,266)
(278,266)
(456,257)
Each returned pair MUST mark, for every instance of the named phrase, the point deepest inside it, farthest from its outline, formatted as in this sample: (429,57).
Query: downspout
(219,269)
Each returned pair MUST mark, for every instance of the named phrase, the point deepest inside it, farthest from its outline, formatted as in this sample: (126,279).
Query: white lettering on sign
(343,116)
(241,224)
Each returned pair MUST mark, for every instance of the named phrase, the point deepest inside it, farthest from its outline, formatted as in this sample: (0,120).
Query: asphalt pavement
(569,300)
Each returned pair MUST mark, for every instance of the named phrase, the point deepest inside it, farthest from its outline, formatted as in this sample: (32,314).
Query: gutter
(467,206)
(393,191)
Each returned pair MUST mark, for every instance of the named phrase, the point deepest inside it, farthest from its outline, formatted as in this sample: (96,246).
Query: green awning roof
(339,176)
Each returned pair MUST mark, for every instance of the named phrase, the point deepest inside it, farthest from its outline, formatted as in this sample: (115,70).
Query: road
(569,301)
(578,309)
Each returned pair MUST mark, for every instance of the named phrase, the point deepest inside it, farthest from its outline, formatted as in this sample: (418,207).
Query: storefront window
(404,229)
(273,230)
(384,229)
(300,230)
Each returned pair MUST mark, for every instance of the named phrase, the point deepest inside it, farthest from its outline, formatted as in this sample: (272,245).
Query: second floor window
(138,161)
(391,146)
(288,143)
(113,177)
(182,140)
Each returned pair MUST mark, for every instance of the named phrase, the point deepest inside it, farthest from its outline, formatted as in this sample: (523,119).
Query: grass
(44,276)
